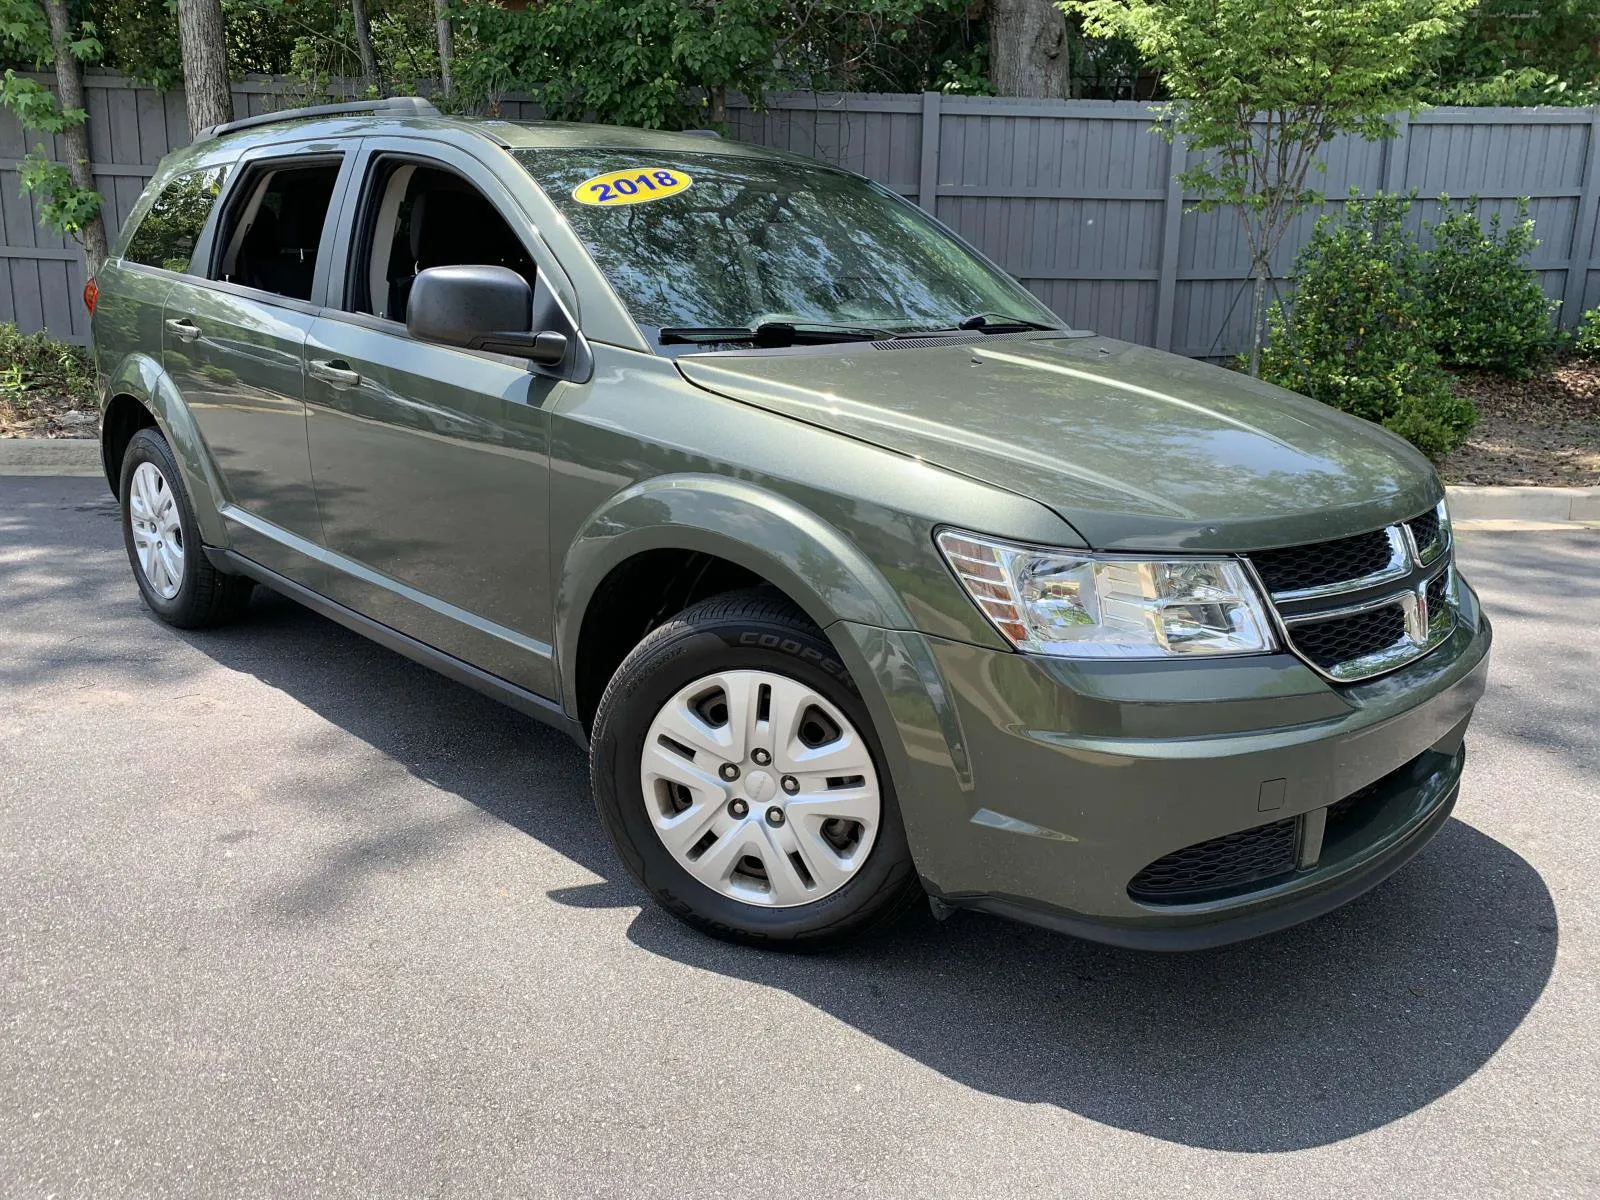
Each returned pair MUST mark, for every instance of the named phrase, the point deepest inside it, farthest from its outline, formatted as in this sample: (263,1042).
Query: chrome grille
(1425,533)
(1357,607)
(1329,643)
(1438,591)
(1301,567)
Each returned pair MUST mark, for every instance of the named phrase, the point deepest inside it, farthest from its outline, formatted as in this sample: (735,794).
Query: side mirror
(480,308)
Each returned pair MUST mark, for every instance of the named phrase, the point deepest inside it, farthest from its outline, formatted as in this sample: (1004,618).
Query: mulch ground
(46,415)
(1540,430)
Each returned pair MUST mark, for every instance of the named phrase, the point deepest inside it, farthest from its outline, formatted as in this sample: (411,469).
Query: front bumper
(1041,789)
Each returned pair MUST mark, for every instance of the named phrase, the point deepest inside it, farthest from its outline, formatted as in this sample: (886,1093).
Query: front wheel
(162,536)
(737,771)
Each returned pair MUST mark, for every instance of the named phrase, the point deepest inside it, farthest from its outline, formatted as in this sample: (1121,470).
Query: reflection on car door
(233,345)
(432,463)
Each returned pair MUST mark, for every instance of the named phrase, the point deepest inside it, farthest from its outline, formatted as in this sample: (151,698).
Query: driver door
(432,463)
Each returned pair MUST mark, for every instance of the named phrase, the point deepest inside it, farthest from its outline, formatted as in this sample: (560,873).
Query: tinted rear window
(166,237)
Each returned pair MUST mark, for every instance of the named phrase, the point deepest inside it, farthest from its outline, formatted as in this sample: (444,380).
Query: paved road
(284,914)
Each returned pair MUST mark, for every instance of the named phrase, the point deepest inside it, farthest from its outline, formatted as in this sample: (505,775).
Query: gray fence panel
(1078,199)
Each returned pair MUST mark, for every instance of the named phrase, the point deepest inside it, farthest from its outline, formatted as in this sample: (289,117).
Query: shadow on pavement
(1296,1040)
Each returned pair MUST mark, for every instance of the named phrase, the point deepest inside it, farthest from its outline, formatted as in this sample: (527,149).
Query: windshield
(725,242)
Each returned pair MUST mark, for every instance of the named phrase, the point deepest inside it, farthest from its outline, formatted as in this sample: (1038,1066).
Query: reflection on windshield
(753,241)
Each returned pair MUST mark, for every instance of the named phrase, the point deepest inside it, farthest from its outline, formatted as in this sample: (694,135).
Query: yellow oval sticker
(632,185)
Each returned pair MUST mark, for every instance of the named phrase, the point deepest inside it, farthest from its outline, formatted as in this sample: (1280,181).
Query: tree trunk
(369,60)
(1028,49)
(1258,318)
(75,138)
(441,11)
(205,64)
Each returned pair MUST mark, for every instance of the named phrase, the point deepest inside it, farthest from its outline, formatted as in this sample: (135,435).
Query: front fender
(814,564)
(140,376)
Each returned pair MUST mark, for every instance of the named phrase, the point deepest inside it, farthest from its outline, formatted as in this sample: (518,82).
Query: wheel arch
(139,385)
(749,535)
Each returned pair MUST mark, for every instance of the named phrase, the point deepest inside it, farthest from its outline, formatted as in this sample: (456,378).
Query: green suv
(861,577)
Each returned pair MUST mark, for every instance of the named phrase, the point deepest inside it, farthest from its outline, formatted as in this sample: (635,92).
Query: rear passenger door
(161,246)
(233,345)
(431,462)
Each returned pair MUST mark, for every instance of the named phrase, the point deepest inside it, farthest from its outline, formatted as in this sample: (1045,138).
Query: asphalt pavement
(283,914)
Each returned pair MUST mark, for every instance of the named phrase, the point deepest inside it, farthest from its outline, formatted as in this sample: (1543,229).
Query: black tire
(756,630)
(205,595)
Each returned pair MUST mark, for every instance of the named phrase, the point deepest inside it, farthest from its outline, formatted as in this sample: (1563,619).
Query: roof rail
(394,106)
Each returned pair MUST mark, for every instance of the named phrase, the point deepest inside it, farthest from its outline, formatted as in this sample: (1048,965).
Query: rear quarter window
(166,237)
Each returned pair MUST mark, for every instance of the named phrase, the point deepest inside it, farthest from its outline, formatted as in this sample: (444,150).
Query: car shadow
(1295,1040)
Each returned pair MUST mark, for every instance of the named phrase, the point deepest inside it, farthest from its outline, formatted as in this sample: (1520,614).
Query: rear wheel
(162,536)
(737,771)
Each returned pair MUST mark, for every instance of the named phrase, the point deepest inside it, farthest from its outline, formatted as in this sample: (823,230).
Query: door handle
(185,329)
(336,373)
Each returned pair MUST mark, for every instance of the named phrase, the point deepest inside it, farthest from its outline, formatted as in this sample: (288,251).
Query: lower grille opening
(1352,809)
(1221,866)
(1350,817)
(1329,643)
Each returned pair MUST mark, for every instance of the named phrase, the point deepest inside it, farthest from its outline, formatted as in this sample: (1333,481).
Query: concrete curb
(1471,502)
(50,456)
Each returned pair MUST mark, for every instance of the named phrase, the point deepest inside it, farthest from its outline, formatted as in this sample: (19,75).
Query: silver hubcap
(157,532)
(760,788)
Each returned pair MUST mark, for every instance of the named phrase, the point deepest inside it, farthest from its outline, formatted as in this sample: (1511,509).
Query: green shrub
(36,362)
(1587,343)
(1485,305)
(1357,335)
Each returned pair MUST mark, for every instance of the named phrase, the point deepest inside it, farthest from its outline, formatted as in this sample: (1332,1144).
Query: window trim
(358,239)
(486,178)
(246,172)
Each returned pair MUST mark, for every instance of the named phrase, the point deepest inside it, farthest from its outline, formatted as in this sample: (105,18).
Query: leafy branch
(67,200)
(1261,86)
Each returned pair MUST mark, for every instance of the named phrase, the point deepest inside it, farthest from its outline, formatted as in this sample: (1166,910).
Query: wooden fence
(1079,199)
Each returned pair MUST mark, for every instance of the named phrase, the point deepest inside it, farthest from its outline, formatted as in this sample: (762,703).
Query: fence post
(1395,155)
(1581,250)
(928,176)
(1172,228)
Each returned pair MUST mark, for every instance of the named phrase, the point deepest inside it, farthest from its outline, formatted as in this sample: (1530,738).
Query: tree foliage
(1523,52)
(314,41)
(643,45)
(653,63)
(1262,85)
(1503,52)
(671,63)
(63,203)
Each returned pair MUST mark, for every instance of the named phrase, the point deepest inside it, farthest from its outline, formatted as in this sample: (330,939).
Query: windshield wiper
(989,322)
(771,334)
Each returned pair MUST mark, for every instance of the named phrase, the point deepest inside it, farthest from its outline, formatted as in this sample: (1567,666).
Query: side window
(166,236)
(414,217)
(273,227)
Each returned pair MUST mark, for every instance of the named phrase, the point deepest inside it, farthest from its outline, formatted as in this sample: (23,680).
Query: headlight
(1078,605)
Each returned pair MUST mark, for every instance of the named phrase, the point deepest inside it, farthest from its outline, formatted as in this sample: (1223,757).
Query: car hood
(1136,448)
